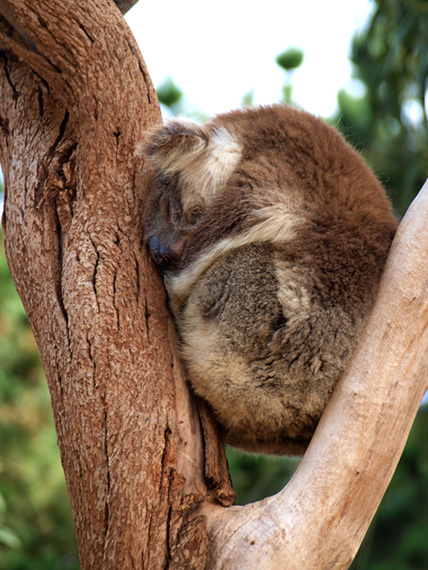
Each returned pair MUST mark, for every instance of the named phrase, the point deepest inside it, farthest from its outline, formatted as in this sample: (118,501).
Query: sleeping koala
(272,234)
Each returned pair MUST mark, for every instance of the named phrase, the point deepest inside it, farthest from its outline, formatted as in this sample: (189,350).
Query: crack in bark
(42,174)
(15,93)
(94,274)
(58,277)
(102,395)
(146,82)
(138,284)
(90,38)
(147,316)
(51,184)
(116,135)
(52,155)
(114,301)
(106,451)
(55,67)
(4,126)
(143,72)
(61,389)
(26,190)
(216,469)
(166,435)
(41,102)
(60,136)
(168,536)
(42,80)
(91,358)
(134,196)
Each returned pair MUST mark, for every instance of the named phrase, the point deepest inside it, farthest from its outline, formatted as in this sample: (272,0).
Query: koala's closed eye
(272,233)
(165,210)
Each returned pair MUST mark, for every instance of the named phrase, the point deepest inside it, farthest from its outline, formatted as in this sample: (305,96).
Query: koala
(271,233)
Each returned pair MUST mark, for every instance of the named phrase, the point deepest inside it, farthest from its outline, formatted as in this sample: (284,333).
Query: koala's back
(279,233)
(264,344)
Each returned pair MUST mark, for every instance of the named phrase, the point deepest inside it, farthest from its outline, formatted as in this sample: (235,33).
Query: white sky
(218,51)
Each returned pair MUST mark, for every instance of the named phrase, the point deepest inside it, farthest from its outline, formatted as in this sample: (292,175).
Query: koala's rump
(263,351)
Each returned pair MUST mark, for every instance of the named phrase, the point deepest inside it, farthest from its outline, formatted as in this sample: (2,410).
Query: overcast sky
(218,51)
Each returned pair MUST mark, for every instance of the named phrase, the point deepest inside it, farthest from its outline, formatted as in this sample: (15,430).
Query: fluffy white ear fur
(203,158)
(224,153)
(176,145)
(208,171)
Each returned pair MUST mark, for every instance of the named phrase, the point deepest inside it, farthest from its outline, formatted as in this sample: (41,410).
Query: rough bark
(76,98)
(144,466)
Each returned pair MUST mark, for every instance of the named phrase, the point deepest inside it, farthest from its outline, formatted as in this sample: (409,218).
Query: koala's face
(164,225)
(192,165)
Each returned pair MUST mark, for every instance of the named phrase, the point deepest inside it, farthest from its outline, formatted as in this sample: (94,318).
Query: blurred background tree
(36,526)
(289,60)
(385,117)
(170,96)
(388,121)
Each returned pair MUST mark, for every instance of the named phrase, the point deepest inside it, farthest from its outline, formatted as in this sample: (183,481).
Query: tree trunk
(76,98)
(143,461)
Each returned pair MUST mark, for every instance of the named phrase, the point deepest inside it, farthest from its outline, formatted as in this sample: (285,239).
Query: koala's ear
(173,146)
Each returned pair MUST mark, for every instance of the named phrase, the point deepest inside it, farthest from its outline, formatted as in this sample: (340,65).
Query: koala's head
(192,165)
(265,175)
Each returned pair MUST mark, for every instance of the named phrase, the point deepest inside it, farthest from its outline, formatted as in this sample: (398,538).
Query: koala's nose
(164,255)
(158,250)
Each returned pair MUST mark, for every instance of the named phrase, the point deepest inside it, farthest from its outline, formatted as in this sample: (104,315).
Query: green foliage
(397,538)
(257,476)
(248,99)
(36,527)
(8,537)
(168,93)
(291,58)
(389,120)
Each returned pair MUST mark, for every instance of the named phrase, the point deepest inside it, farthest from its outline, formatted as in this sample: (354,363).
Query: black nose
(162,254)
